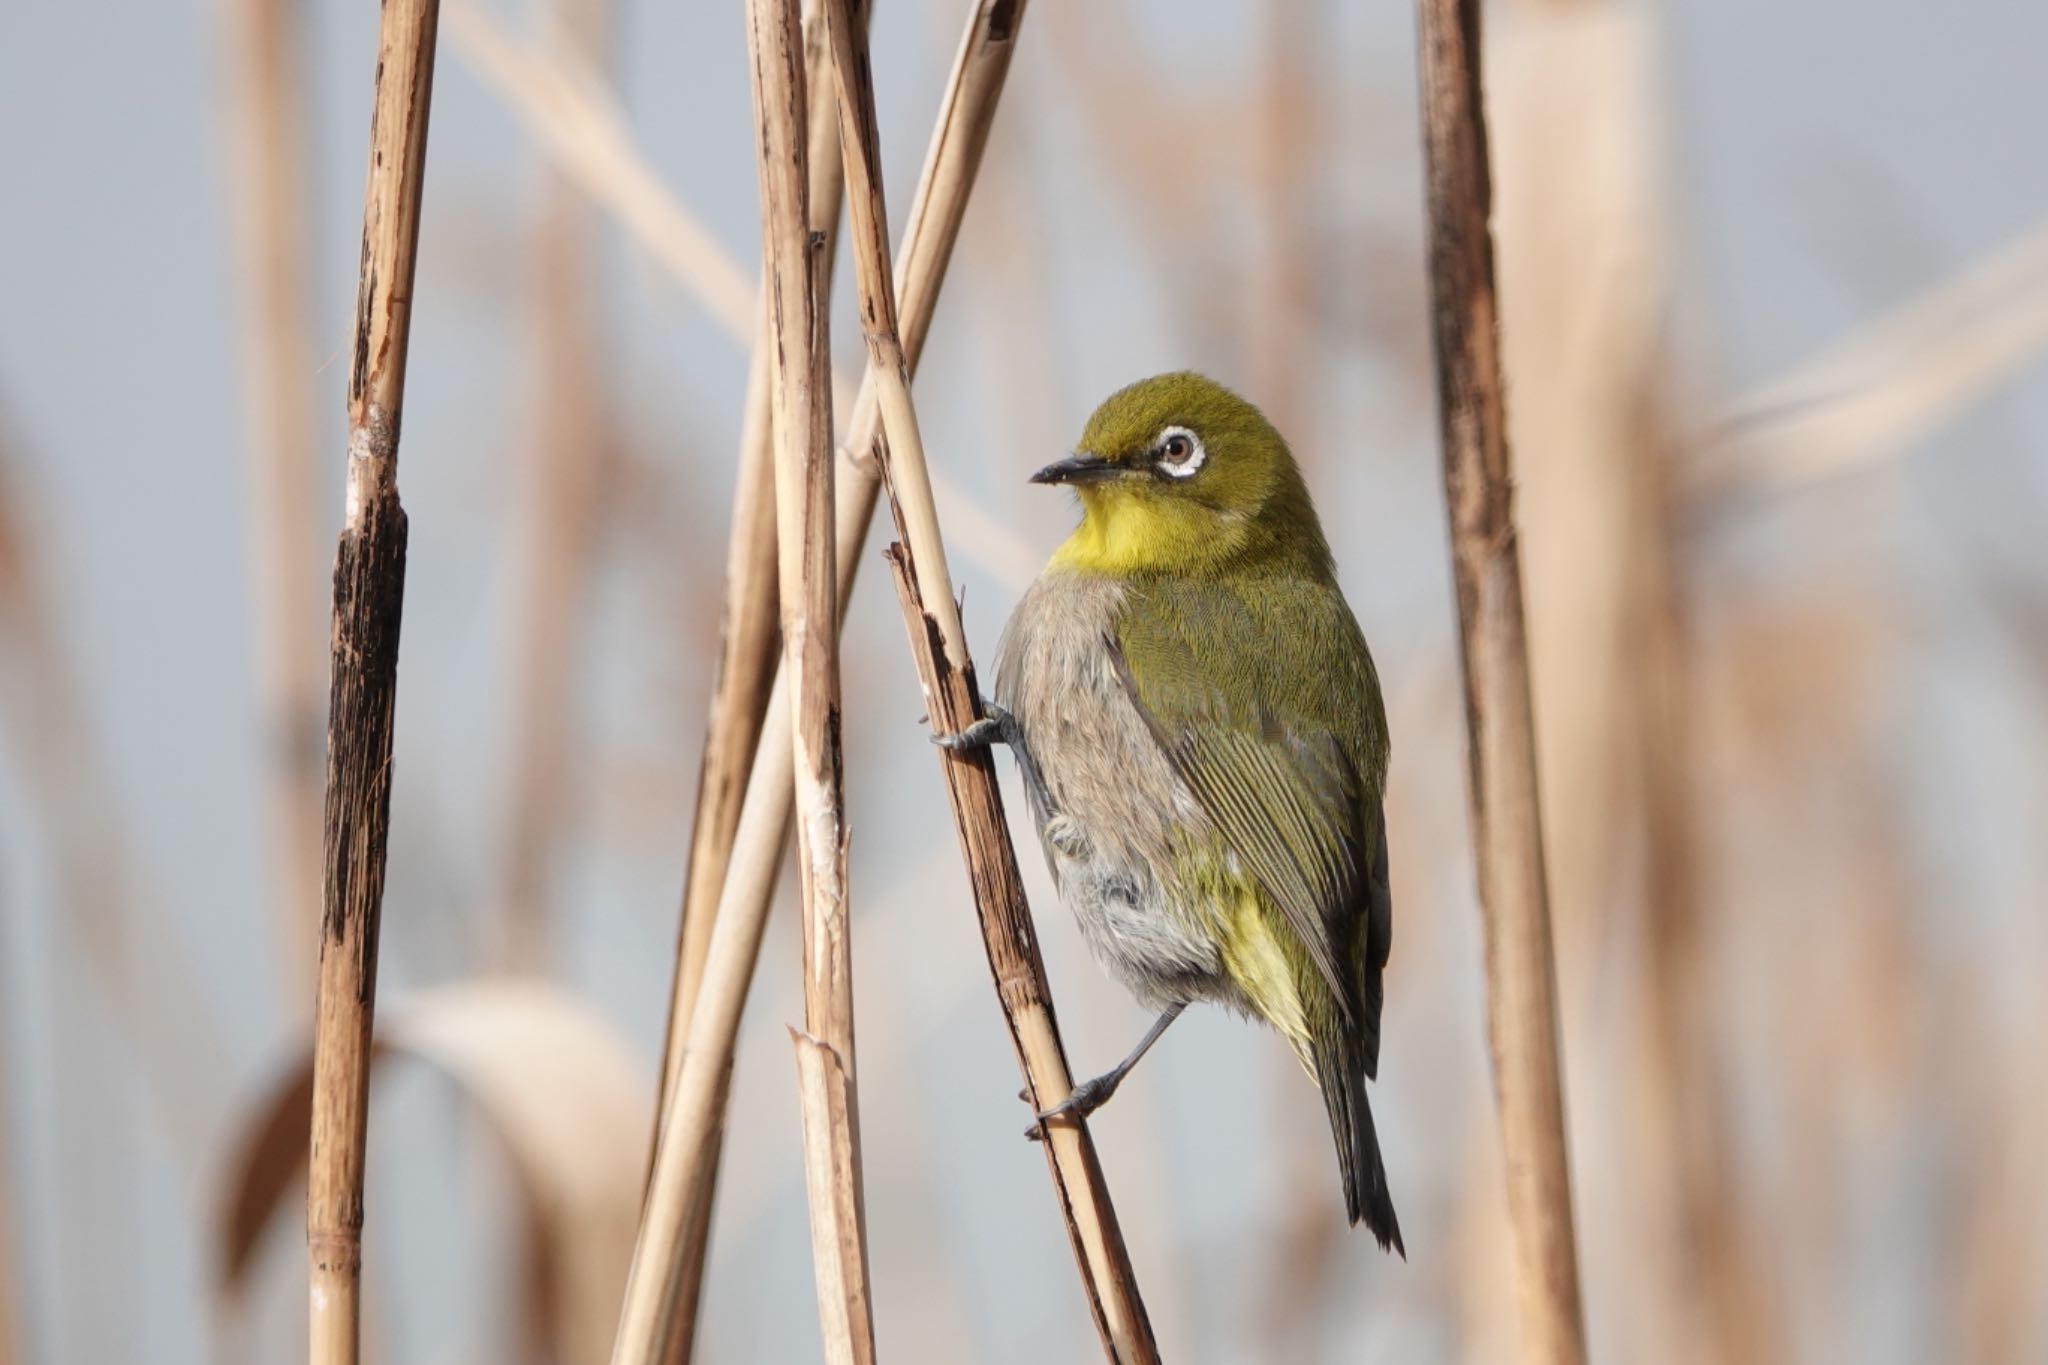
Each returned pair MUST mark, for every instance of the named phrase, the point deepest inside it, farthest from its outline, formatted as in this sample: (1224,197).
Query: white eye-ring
(1180,452)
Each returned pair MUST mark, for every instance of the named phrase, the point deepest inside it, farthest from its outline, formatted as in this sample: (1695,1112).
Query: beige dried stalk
(278,365)
(1506,814)
(958,141)
(947,672)
(801,379)
(749,646)
(369,589)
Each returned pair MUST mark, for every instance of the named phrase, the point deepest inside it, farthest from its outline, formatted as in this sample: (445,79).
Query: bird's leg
(998,726)
(1090,1096)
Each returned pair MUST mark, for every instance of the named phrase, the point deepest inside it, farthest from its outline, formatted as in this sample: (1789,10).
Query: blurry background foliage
(1776,296)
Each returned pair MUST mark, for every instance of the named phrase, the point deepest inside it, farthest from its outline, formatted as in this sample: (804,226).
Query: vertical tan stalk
(278,364)
(739,698)
(1506,818)
(947,672)
(749,646)
(369,589)
(675,1255)
(558,531)
(746,668)
(800,372)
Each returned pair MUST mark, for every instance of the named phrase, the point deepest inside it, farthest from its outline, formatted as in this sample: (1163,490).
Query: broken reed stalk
(959,138)
(1485,562)
(801,378)
(369,590)
(946,671)
(278,363)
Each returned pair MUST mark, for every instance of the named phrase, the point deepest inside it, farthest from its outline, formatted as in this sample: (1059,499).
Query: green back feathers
(1263,695)
(1245,503)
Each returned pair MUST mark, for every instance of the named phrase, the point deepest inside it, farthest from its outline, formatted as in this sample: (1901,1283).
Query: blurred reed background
(1775,296)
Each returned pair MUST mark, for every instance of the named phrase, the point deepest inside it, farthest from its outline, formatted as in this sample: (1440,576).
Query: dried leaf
(556,1083)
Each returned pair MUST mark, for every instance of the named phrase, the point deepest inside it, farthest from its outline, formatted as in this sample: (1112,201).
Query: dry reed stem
(1506,815)
(748,649)
(369,590)
(278,364)
(946,670)
(692,1113)
(749,645)
(658,1318)
(558,533)
(801,374)
(748,654)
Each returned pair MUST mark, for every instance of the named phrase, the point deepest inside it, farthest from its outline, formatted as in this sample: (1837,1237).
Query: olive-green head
(1178,474)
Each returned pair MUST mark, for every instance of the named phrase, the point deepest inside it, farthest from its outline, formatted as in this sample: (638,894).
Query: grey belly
(1131,925)
(1118,810)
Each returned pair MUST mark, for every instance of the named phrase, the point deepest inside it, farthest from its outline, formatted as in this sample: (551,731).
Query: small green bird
(1201,731)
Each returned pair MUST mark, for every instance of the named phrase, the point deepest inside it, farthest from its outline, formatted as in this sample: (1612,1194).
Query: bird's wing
(1271,715)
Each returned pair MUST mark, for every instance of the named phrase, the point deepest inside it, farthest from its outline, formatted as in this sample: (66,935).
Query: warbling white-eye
(1201,731)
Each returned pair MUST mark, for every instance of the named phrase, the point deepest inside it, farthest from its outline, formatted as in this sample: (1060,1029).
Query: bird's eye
(1179,452)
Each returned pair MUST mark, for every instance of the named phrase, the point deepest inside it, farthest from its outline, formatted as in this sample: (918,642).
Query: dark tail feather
(1340,1070)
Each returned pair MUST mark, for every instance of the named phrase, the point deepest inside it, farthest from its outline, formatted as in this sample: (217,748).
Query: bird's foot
(996,726)
(1087,1097)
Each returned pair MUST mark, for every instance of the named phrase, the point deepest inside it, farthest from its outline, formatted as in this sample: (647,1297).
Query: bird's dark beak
(1078,469)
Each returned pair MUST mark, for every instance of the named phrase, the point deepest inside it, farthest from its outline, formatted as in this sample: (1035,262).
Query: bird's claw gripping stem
(1086,1098)
(1090,1096)
(996,726)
